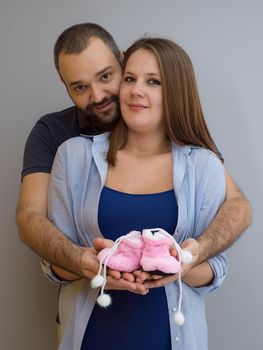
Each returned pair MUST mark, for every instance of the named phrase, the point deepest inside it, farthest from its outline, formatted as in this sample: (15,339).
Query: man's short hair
(75,39)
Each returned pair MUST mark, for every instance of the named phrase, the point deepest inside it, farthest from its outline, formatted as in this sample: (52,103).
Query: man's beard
(102,121)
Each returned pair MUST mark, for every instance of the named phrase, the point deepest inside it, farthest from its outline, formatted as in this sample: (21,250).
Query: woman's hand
(115,279)
(156,281)
(122,284)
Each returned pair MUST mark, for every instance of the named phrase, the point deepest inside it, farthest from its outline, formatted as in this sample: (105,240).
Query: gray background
(224,40)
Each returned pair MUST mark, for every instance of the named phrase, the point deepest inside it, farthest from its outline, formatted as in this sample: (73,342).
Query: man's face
(92,79)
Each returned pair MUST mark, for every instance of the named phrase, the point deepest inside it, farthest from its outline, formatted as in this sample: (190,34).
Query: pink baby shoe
(156,256)
(123,256)
(156,259)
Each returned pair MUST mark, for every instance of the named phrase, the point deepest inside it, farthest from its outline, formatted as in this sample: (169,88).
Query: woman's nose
(137,90)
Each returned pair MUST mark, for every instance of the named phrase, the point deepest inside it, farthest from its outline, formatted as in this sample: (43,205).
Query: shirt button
(174,309)
(177,338)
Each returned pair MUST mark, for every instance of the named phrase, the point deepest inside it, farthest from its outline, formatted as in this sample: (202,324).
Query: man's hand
(98,245)
(191,245)
(90,268)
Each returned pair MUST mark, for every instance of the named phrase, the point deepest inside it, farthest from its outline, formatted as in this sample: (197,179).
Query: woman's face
(141,93)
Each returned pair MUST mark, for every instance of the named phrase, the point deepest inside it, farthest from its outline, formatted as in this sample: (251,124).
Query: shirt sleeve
(212,196)
(60,211)
(39,150)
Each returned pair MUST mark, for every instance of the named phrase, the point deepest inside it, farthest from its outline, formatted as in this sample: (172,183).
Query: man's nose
(97,94)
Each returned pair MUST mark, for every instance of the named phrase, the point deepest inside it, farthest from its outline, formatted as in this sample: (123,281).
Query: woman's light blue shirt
(78,176)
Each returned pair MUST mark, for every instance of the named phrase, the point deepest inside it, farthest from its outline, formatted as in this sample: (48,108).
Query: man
(89,64)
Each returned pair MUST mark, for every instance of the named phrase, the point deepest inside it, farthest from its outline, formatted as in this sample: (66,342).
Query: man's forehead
(95,49)
(92,61)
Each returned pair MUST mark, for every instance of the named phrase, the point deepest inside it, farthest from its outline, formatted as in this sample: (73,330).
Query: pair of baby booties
(148,251)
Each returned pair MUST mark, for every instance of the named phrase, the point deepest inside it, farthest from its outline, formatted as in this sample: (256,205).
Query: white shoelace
(101,280)
(185,257)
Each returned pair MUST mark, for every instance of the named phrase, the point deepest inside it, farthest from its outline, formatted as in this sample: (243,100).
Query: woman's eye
(128,79)
(154,82)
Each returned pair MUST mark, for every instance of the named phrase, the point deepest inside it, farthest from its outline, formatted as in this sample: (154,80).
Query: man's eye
(80,88)
(106,76)
(154,82)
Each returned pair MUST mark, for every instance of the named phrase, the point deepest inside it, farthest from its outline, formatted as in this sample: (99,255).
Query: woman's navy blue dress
(132,321)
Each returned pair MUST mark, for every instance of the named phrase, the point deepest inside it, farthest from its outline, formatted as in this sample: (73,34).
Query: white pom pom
(179,318)
(186,257)
(104,300)
(97,281)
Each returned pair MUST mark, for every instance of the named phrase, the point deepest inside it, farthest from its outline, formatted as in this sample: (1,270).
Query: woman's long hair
(182,111)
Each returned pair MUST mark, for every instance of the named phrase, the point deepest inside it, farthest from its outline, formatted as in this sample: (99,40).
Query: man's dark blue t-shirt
(47,135)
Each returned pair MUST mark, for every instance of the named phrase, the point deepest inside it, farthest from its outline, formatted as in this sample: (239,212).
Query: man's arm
(233,217)
(68,259)
(38,232)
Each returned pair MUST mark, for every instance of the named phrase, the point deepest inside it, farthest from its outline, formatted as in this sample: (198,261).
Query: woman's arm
(64,274)
(199,276)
